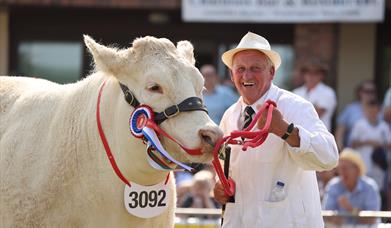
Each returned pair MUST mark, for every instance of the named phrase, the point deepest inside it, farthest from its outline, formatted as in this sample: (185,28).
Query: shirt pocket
(285,213)
(274,214)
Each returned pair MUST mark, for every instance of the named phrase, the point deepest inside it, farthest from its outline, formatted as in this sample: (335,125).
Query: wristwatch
(288,131)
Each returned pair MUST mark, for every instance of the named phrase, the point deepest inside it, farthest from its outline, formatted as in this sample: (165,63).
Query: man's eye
(255,69)
(240,70)
(155,89)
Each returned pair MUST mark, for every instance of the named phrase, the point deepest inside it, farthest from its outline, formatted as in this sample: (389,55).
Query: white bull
(54,169)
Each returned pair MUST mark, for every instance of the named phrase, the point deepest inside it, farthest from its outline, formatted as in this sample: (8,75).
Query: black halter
(189,104)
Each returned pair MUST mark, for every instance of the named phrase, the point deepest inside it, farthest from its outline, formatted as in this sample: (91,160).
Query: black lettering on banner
(161,203)
(152,198)
(133,196)
(143,199)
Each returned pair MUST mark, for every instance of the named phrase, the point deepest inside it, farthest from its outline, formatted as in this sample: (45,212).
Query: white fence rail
(210,218)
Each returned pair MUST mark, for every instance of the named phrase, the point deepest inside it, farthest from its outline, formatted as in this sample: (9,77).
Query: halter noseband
(189,104)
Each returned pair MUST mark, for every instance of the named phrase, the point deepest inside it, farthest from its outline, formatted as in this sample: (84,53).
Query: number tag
(146,201)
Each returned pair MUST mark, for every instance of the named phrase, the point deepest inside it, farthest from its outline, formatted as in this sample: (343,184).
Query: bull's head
(161,75)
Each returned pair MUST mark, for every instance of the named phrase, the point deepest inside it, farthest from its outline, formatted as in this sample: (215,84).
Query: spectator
(183,191)
(217,97)
(351,191)
(366,91)
(371,137)
(200,192)
(387,118)
(315,91)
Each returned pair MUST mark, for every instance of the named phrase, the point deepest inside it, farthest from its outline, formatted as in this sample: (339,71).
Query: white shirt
(322,96)
(257,170)
(362,130)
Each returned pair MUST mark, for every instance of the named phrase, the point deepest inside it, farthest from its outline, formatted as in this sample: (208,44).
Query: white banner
(283,11)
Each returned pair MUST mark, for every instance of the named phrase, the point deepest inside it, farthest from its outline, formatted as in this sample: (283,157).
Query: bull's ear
(106,59)
(185,49)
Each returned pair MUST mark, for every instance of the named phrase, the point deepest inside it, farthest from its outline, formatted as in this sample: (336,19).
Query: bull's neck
(129,152)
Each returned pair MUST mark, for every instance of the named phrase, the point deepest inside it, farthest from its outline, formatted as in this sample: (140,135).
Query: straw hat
(252,41)
(353,156)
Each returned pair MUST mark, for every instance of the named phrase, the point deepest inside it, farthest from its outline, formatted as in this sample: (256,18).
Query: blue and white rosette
(138,120)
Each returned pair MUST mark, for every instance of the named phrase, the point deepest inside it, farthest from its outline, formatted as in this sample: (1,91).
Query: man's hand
(219,193)
(278,126)
(343,202)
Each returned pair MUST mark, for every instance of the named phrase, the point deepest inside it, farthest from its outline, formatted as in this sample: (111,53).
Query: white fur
(54,170)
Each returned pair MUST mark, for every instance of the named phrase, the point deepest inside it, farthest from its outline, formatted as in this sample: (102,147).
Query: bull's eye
(155,89)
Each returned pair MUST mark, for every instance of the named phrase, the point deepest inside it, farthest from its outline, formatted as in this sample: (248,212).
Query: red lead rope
(256,138)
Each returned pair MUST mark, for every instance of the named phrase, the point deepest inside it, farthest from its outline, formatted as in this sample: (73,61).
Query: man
(351,191)
(298,143)
(217,98)
(315,91)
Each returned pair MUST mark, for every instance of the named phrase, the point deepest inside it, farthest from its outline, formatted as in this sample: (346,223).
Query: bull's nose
(210,135)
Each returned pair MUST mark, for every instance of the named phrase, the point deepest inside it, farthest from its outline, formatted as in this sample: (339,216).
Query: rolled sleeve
(318,150)
(305,141)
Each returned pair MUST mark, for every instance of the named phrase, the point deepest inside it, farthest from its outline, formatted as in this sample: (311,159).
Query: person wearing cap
(298,144)
(319,94)
(351,191)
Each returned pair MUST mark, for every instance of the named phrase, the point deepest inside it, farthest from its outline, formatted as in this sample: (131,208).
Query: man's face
(252,74)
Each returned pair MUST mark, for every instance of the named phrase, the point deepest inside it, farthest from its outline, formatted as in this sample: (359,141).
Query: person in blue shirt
(217,97)
(351,191)
(365,92)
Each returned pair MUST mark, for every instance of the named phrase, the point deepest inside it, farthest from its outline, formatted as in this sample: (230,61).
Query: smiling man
(298,145)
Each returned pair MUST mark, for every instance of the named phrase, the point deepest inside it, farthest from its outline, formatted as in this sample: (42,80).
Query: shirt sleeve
(356,132)
(342,118)
(330,198)
(372,199)
(318,150)
(387,134)
(328,101)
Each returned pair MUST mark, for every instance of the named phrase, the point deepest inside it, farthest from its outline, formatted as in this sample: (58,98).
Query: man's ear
(231,75)
(272,71)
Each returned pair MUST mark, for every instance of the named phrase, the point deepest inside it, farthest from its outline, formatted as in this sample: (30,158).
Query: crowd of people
(361,133)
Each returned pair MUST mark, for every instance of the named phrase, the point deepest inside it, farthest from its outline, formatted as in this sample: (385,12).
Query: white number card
(146,201)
